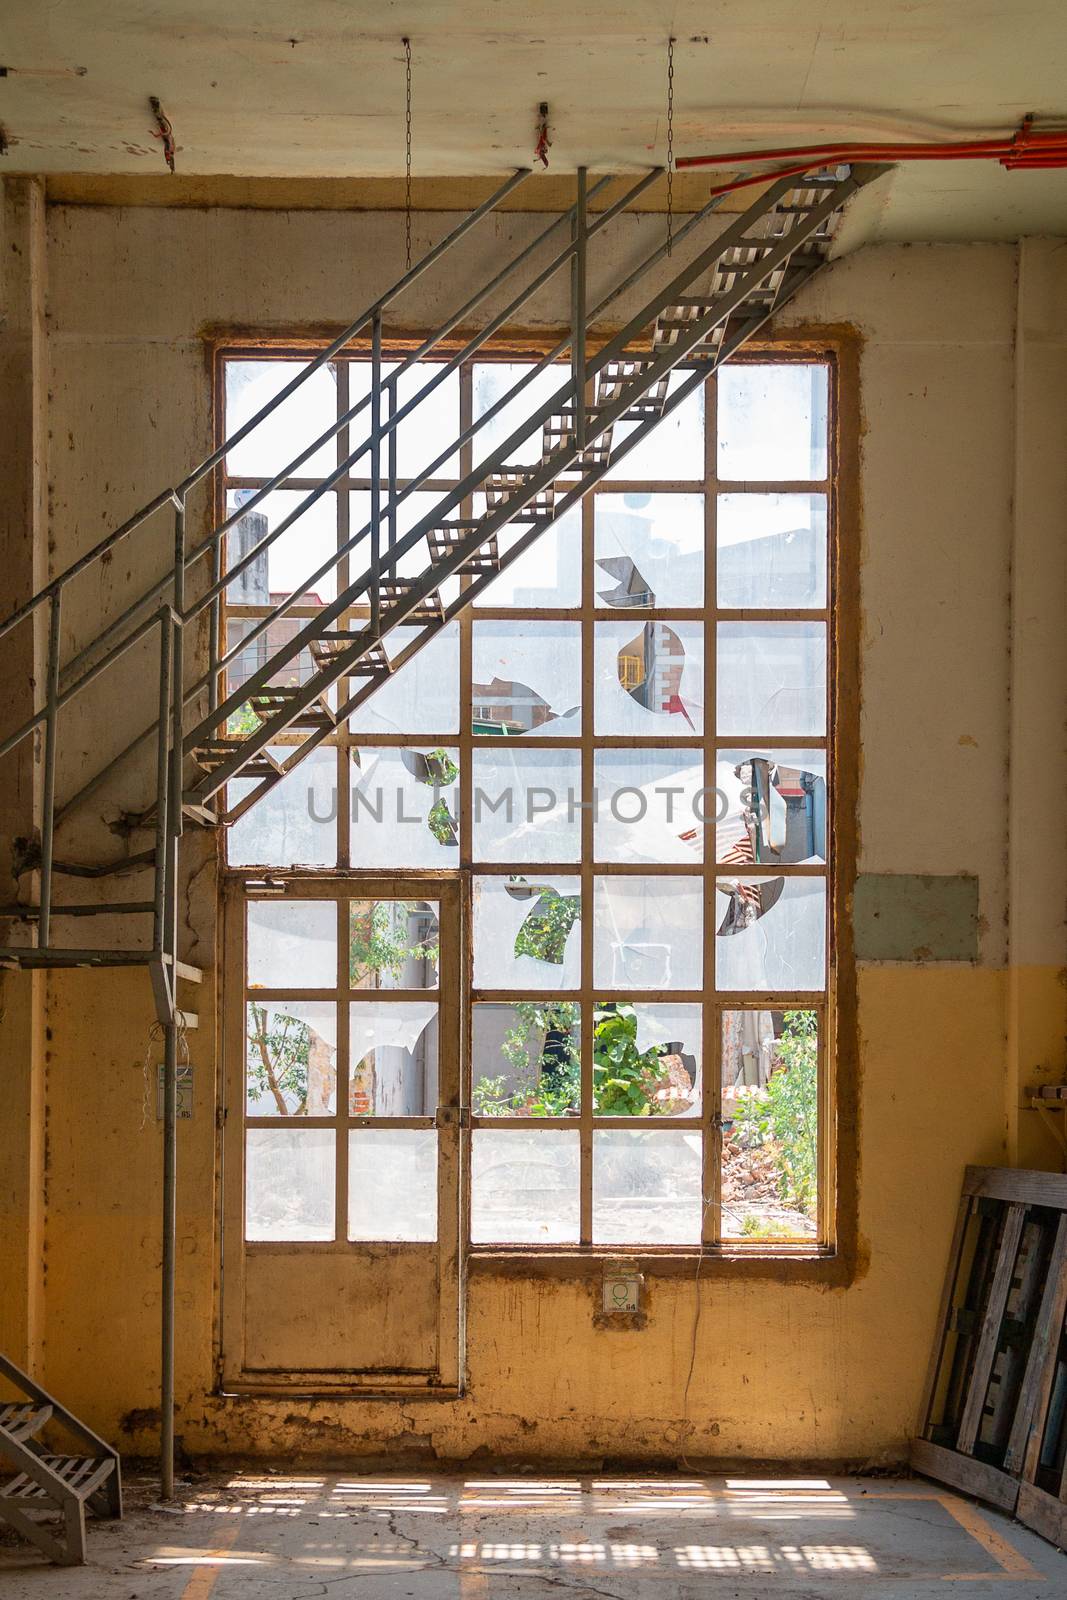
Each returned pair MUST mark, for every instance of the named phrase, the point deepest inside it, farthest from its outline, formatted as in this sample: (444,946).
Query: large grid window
(623,746)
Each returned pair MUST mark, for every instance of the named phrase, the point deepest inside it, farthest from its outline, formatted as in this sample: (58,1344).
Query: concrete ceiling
(259,89)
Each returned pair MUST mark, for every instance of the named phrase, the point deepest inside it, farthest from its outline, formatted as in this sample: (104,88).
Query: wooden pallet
(46,1499)
(994,1411)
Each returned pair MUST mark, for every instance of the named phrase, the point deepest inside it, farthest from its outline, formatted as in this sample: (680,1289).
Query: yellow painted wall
(788,1370)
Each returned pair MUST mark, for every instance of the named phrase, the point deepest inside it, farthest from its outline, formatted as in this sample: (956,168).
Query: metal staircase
(46,1499)
(610,397)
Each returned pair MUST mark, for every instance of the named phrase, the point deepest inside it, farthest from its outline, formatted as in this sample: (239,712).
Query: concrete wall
(964,376)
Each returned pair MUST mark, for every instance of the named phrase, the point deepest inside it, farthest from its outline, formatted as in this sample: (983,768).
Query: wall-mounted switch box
(622,1288)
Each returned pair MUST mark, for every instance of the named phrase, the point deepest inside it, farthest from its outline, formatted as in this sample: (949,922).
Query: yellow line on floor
(1012,1562)
(205,1577)
(473,1585)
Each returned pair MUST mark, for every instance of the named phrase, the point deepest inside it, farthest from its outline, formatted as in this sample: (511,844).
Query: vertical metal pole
(578,312)
(391,450)
(170,1025)
(376,472)
(170,1225)
(215,623)
(162,771)
(48,809)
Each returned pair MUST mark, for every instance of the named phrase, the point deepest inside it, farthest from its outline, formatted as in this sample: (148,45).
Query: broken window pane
(294,824)
(526,679)
(524,1186)
(392,1184)
(492,380)
(649,678)
(527,932)
(772,420)
(771,678)
(646,1059)
(405,806)
(392,1070)
(525,805)
(548,575)
(675,446)
(770,933)
(292,944)
(393,944)
(649,550)
(771,550)
(420,697)
(649,805)
(770,1108)
(291,1058)
(298,421)
(646,1186)
(525,1059)
(285,566)
(771,807)
(648,933)
(289,1183)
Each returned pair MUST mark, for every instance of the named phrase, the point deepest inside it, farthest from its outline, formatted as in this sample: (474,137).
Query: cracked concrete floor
(285,1535)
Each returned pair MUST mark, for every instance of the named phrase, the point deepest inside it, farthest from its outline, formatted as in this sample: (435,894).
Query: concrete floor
(295,1535)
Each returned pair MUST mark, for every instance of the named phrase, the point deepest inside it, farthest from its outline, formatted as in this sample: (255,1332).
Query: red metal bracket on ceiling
(544,143)
(163,130)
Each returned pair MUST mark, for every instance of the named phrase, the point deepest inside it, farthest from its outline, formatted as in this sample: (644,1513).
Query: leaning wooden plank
(986,1350)
(1017,1184)
(963,1472)
(944,1313)
(1042,1512)
(1025,1442)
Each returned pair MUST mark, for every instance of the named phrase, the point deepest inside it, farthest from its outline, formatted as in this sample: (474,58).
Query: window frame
(833,1254)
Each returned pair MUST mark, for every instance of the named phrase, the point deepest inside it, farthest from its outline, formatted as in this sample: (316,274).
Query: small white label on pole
(185,1092)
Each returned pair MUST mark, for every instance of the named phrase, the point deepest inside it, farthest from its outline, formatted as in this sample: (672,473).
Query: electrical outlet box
(622,1290)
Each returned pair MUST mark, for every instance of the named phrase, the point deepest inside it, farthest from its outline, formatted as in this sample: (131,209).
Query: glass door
(341,1265)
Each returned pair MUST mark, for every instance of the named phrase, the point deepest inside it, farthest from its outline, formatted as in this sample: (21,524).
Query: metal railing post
(48,797)
(578,315)
(170,1225)
(170,1027)
(391,391)
(166,628)
(376,472)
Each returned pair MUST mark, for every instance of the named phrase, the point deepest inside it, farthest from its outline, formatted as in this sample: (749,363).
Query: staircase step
(212,753)
(182,969)
(446,538)
(500,487)
(268,702)
(23,1421)
(79,1475)
(372,663)
(430,608)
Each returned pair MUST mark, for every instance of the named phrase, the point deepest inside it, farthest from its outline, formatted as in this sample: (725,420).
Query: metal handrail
(213,538)
(177,494)
(398,415)
(388,512)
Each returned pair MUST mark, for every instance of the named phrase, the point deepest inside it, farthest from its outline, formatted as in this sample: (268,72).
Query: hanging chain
(670,145)
(407,151)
